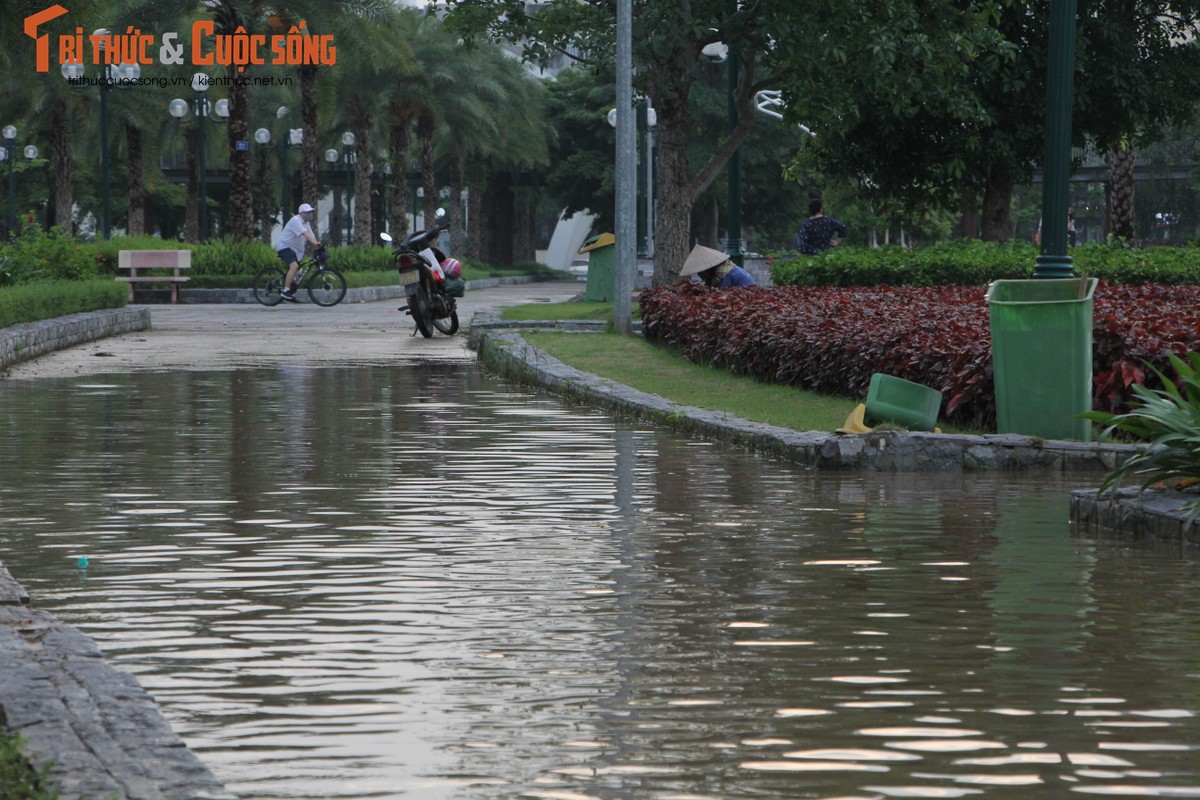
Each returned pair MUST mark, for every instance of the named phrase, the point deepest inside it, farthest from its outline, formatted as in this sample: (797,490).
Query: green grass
(635,362)
(560,311)
(18,779)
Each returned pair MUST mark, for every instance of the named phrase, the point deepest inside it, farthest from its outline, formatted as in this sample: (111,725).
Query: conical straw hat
(700,259)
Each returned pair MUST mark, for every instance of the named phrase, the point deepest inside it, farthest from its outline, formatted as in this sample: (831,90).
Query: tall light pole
(10,155)
(1060,96)
(733,233)
(626,175)
(349,157)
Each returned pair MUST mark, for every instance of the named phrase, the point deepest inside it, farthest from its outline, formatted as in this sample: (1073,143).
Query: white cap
(305,207)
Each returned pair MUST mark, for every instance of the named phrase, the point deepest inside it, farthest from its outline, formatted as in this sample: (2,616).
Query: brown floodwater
(424,583)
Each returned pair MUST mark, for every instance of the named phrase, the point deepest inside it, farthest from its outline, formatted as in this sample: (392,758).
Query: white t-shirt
(293,236)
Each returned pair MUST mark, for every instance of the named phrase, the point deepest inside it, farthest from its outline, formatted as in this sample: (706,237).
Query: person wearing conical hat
(714,269)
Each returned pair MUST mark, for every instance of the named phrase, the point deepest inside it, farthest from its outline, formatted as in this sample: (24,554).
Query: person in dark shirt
(818,232)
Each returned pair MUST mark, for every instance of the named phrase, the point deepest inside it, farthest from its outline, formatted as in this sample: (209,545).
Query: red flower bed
(834,339)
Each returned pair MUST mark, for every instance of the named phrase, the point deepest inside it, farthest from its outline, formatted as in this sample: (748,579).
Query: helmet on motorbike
(452,267)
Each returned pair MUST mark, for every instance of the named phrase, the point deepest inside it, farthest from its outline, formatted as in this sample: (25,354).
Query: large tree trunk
(455,218)
(60,158)
(363,168)
(308,148)
(426,127)
(191,214)
(398,183)
(136,224)
(263,201)
(673,223)
(241,192)
(997,206)
(1120,168)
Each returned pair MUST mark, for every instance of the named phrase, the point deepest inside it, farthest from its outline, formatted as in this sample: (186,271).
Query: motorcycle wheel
(327,287)
(448,325)
(418,307)
(268,284)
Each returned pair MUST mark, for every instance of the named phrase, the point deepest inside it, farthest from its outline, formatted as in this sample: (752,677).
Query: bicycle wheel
(268,284)
(418,307)
(327,287)
(448,325)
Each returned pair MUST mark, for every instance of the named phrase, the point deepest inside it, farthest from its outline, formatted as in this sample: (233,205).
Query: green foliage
(18,779)
(227,257)
(1167,418)
(971,263)
(36,254)
(362,258)
(36,301)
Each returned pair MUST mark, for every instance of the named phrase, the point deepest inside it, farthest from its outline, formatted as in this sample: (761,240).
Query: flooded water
(421,583)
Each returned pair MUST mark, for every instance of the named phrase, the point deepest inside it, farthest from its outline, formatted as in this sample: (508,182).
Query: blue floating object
(82,562)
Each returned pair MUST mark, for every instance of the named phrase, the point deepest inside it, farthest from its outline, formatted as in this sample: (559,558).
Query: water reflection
(371,583)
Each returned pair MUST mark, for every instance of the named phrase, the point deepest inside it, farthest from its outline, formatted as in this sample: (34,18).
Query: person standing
(819,232)
(290,249)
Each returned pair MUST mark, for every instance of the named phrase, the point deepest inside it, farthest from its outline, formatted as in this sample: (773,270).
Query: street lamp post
(349,157)
(10,153)
(1060,89)
(717,52)
(331,158)
(200,110)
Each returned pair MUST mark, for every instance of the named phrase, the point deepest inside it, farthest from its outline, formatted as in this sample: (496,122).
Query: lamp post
(200,110)
(349,157)
(331,158)
(1060,90)
(647,119)
(293,140)
(10,142)
(718,52)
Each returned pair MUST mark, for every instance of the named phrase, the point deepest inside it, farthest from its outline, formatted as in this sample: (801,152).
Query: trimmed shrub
(36,301)
(975,263)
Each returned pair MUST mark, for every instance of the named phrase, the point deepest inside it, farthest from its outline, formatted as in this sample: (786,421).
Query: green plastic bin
(601,275)
(904,403)
(1042,356)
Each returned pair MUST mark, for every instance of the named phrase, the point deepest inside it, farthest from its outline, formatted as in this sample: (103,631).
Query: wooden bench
(151,266)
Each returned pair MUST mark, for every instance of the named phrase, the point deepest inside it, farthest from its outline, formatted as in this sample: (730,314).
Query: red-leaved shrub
(833,339)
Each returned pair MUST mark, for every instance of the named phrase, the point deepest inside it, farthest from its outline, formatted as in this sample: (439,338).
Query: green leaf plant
(1167,418)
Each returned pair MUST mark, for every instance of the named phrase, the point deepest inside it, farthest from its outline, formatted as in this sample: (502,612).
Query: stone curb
(94,728)
(502,349)
(365,294)
(29,340)
(1157,514)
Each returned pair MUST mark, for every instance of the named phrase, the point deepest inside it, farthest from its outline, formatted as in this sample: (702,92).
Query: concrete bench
(155,266)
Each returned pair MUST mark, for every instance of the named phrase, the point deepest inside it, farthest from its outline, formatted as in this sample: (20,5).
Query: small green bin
(601,276)
(904,403)
(1042,356)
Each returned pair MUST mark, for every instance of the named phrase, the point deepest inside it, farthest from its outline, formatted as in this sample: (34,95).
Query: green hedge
(972,263)
(36,301)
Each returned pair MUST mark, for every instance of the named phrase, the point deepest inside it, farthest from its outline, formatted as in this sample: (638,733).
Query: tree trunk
(136,224)
(478,239)
(426,126)
(362,180)
(263,204)
(191,217)
(60,159)
(398,184)
(997,207)
(499,205)
(308,148)
(1120,167)
(969,222)
(455,218)
(673,224)
(241,192)
(336,219)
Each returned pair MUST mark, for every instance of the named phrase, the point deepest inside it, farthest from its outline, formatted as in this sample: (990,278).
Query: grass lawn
(635,362)
(559,311)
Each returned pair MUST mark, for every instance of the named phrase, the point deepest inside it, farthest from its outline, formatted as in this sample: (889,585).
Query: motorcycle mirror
(387,237)
(441,212)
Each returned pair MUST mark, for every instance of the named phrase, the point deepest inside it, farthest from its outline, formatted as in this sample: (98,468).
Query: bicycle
(326,286)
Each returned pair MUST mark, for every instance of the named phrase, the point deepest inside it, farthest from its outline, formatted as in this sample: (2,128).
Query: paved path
(204,336)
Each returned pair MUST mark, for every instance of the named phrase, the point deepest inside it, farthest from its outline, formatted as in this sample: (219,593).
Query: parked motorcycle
(430,291)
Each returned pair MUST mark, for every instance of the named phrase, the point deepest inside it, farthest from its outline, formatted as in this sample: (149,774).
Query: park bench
(155,266)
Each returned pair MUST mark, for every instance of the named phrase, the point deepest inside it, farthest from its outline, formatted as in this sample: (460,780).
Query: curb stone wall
(95,728)
(1153,514)
(502,349)
(29,340)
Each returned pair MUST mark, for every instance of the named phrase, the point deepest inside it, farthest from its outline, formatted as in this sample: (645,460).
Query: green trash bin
(1042,356)
(601,276)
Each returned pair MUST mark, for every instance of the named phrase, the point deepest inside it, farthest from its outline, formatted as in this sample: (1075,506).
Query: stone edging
(502,349)
(93,727)
(364,294)
(1153,513)
(29,340)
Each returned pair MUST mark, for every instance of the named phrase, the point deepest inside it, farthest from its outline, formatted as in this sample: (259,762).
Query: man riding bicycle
(291,246)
